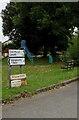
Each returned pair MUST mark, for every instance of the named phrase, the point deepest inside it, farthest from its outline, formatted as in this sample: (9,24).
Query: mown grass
(40,74)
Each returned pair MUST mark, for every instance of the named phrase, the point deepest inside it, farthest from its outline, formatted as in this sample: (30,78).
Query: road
(58,103)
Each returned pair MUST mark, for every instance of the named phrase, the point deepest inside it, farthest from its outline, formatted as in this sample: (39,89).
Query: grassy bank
(39,75)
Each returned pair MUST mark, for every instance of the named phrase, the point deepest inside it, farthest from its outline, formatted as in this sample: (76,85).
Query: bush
(72,51)
(9,46)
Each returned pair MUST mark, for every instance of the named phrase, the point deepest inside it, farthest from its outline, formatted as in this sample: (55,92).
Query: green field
(39,75)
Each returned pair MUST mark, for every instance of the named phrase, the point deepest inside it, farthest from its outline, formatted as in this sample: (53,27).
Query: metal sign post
(10,70)
(21,69)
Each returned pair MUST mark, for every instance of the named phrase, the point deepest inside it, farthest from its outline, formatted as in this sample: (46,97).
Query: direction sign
(16,53)
(15,83)
(16,61)
(19,76)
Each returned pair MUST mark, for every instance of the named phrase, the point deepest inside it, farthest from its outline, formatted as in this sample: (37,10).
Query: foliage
(73,50)
(44,25)
(10,45)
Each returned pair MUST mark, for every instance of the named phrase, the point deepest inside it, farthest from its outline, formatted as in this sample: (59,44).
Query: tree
(43,25)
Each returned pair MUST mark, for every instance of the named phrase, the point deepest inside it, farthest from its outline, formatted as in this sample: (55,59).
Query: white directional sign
(16,61)
(19,76)
(16,53)
(15,83)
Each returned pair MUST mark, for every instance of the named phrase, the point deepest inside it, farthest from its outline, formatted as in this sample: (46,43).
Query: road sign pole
(20,69)
(10,69)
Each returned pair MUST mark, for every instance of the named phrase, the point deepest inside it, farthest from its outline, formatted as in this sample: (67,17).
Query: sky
(3,3)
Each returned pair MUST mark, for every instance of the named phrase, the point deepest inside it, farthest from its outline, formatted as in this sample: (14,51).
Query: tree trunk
(53,52)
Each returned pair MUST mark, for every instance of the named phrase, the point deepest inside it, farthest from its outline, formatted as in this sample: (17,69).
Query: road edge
(44,89)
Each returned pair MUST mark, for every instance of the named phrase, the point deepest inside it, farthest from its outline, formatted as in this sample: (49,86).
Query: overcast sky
(3,3)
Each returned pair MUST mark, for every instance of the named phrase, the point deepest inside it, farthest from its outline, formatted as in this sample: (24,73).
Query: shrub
(72,51)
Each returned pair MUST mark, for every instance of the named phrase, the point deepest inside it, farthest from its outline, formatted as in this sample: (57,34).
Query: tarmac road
(58,103)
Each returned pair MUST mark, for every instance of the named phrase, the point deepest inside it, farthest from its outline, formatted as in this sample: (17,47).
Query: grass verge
(41,74)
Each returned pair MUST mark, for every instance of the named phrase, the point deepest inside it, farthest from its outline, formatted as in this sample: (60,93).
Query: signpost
(18,80)
(15,83)
(16,58)
(16,61)
(16,53)
(19,76)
